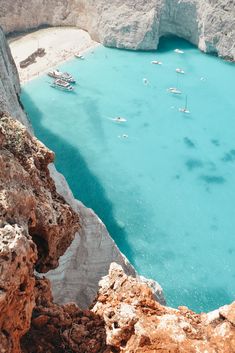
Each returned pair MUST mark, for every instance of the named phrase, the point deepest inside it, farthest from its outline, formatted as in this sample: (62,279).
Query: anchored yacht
(61,84)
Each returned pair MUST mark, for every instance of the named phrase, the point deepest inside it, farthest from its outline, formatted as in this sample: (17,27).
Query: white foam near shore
(59,43)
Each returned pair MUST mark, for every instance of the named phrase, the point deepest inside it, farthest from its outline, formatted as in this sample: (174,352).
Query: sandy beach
(59,43)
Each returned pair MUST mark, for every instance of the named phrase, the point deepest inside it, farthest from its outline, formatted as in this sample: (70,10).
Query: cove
(163,182)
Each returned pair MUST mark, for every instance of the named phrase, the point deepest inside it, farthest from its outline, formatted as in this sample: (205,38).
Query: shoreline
(60,44)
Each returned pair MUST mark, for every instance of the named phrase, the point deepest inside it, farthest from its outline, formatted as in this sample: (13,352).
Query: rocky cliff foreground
(36,227)
(131,24)
(41,227)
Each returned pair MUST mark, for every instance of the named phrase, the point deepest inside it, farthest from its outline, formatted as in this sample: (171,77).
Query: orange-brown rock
(28,194)
(17,258)
(135,323)
(36,227)
(65,328)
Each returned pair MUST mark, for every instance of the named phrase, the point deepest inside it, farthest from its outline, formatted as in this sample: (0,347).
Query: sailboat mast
(186,102)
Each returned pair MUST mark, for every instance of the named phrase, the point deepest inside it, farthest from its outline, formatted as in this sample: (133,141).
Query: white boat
(174,90)
(156,62)
(179,71)
(185,108)
(61,84)
(61,75)
(79,56)
(119,119)
(179,51)
(124,136)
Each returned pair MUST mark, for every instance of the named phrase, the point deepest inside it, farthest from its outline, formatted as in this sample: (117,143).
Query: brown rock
(40,321)
(36,227)
(29,195)
(136,323)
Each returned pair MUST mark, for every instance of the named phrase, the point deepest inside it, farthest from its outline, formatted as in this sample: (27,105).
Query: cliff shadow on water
(69,161)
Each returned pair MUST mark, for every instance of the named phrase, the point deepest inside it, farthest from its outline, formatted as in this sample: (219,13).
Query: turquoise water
(167,192)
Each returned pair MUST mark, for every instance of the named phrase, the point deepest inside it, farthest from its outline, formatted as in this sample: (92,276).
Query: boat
(185,108)
(68,77)
(180,71)
(175,90)
(79,56)
(119,119)
(61,84)
(156,62)
(179,51)
(61,75)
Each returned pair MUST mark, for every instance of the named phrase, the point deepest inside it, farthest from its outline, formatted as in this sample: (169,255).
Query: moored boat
(156,62)
(179,51)
(180,71)
(79,56)
(61,84)
(174,90)
(185,108)
(61,75)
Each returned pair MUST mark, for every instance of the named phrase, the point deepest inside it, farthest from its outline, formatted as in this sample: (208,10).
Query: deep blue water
(167,192)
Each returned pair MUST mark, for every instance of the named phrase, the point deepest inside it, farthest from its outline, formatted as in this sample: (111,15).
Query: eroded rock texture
(135,323)
(65,328)
(132,24)
(17,258)
(126,318)
(29,196)
(36,227)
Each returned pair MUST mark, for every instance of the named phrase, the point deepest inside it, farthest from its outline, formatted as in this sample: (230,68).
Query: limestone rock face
(135,323)
(131,24)
(9,83)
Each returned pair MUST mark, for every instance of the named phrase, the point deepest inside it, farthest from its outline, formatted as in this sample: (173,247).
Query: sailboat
(175,90)
(185,108)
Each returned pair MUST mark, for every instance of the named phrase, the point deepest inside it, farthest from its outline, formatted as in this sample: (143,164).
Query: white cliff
(131,24)
(9,84)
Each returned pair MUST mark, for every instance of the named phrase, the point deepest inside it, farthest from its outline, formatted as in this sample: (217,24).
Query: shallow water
(167,191)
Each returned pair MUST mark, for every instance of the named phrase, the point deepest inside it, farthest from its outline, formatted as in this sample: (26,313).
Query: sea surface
(163,182)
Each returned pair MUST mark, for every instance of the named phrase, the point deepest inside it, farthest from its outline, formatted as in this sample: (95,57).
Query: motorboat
(61,75)
(68,77)
(179,51)
(180,71)
(156,62)
(174,90)
(61,84)
(119,119)
(79,56)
